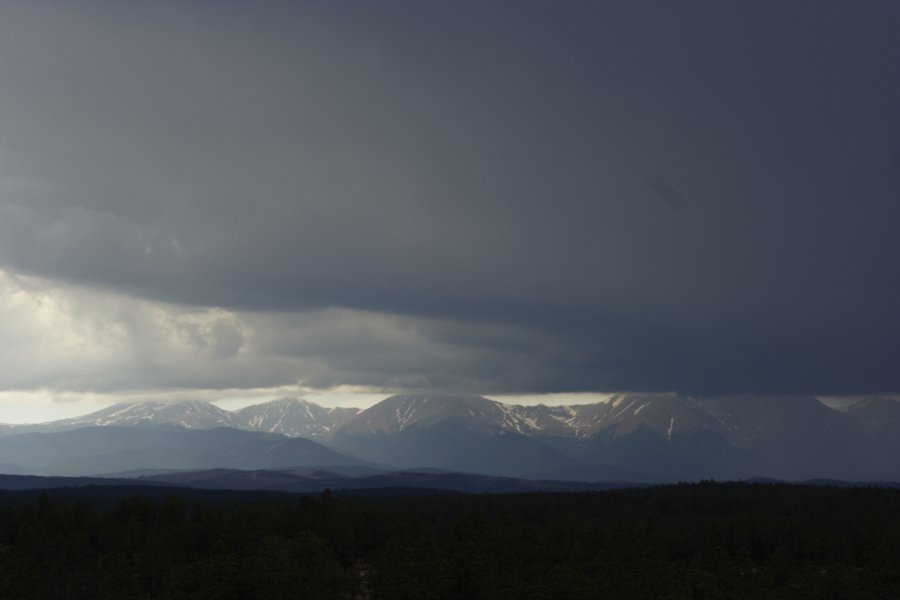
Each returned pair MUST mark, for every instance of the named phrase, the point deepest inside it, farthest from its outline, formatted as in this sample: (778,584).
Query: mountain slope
(288,416)
(399,413)
(99,450)
(626,413)
(638,437)
(189,414)
(663,437)
(293,417)
(459,433)
(881,413)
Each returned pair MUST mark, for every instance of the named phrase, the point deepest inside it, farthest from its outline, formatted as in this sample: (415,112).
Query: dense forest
(706,540)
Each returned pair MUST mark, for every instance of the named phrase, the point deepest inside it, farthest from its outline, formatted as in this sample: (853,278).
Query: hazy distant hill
(101,450)
(316,481)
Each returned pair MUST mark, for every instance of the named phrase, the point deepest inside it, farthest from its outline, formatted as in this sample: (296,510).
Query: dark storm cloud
(664,191)
(503,171)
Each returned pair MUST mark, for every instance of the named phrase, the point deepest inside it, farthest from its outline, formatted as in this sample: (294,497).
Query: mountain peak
(190,414)
(294,417)
(408,411)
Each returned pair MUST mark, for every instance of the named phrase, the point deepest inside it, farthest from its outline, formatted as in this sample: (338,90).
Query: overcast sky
(245,200)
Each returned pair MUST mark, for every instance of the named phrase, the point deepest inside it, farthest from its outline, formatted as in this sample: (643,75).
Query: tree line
(686,541)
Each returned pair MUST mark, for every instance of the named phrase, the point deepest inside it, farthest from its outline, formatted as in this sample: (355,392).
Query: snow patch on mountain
(293,417)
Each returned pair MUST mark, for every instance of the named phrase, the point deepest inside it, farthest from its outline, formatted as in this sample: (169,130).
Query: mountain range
(629,437)
(288,416)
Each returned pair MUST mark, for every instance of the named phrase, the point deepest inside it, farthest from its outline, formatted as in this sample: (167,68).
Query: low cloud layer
(64,338)
(512,197)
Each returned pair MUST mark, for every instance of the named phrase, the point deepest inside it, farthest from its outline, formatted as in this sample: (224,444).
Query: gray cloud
(473,179)
(664,191)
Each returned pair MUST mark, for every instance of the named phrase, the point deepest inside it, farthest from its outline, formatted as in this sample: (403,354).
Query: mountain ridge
(640,437)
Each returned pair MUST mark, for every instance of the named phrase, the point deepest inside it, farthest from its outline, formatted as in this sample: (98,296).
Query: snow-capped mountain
(619,415)
(293,417)
(648,437)
(458,433)
(288,416)
(662,436)
(186,414)
(485,436)
(475,413)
